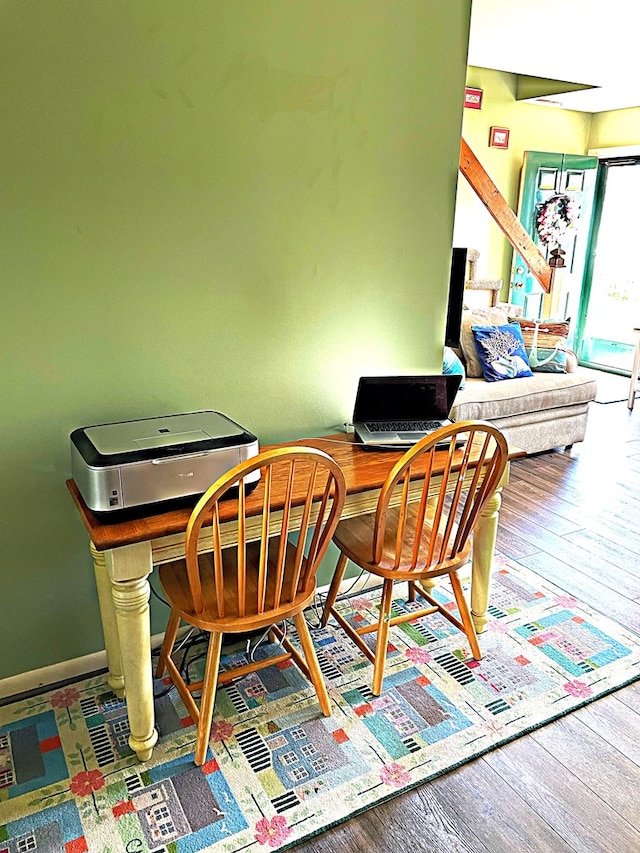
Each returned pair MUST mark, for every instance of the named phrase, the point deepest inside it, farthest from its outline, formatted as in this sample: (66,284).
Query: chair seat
(175,582)
(354,537)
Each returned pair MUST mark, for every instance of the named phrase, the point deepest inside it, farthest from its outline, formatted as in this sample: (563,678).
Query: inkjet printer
(144,462)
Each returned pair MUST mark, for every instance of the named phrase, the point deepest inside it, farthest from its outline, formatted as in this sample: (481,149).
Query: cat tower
(491,285)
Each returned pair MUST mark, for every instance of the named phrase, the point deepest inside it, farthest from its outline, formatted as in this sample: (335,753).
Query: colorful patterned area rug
(278,771)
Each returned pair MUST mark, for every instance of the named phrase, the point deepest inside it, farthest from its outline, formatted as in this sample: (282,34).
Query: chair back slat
(312,556)
(264,571)
(264,541)
(217,561)
(458,496)
(241,572)
(283,539)
(436,522)
(402,516)
(193,569)
(302,535)
(422,508)
(438,529)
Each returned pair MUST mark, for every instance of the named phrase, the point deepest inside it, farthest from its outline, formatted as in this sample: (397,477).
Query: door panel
(611,299)
(546,175)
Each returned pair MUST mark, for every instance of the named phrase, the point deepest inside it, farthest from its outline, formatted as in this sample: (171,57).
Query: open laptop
(398,411)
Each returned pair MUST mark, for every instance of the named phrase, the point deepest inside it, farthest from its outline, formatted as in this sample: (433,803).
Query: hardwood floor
(573,785)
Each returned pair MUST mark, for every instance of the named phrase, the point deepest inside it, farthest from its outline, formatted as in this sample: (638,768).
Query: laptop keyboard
(403,426)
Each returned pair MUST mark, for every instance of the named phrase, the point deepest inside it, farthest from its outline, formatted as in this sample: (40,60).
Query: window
(26,843)
(161,823)
(297,774)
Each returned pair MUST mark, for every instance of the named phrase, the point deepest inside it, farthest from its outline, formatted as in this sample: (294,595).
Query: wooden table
(125,552)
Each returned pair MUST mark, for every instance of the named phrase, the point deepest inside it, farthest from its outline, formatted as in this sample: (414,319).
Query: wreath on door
(555,217)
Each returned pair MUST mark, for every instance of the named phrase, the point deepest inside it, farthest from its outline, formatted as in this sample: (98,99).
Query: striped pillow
(546,344)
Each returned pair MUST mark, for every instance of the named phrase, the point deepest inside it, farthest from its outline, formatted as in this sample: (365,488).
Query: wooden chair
(420,539)
(261,581)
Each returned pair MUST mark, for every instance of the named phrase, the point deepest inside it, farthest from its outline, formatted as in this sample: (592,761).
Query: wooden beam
(490,196)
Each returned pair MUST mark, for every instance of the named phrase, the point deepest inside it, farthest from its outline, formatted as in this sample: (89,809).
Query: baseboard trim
(35,679)
(38,679)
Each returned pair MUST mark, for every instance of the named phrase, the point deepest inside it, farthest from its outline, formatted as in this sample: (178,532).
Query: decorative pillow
(546,344)
(452,364)
(501,352)
(477,317)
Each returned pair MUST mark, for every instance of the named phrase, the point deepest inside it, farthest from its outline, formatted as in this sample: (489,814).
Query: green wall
(615,128)
(231,205)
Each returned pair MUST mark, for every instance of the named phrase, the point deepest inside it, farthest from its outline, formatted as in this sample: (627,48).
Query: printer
(144,462)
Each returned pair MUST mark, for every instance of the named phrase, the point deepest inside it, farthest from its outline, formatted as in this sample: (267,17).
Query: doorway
(547,176)
(610,303)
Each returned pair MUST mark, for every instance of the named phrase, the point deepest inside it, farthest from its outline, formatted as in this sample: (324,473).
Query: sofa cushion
(546,344)
(501,352)
(542,392)
(478,317)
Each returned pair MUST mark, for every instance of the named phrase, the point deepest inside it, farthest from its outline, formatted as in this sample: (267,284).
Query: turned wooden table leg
(131,600)
(128,568)
(115,678)
(484,543)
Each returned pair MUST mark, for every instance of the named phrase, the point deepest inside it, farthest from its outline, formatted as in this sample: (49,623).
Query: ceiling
(587,42)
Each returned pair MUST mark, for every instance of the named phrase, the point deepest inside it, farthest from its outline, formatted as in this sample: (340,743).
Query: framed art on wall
(473,98)
(499,137)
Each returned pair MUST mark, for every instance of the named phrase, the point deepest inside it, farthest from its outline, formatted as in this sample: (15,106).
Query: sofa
(535,413)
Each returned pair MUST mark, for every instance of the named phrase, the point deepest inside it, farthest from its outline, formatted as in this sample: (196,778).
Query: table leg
(128,568)
(484,543)
(115,678)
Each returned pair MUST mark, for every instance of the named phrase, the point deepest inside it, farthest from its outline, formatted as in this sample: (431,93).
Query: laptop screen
(382,398)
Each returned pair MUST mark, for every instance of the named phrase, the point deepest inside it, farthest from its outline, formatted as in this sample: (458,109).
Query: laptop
(398,411)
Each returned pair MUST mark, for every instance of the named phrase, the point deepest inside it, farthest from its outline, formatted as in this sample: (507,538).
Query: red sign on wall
(473,98)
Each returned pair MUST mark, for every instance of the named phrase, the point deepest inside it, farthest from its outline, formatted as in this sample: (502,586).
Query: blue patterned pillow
(501,352)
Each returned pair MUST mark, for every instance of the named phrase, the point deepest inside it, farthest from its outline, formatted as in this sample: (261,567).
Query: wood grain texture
(572,785)
(363,471)
(505,218)
(597,764)
(571,808)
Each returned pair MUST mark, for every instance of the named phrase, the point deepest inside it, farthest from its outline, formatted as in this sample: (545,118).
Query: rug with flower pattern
(277,770)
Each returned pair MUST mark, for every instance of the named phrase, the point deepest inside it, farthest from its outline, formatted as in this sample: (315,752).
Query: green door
(555,207)
(610,305)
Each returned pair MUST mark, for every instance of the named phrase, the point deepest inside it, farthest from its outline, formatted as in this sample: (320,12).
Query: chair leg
(465,615)
(208,696)
(334,587)
(167,644)
(383,634)
(312,663)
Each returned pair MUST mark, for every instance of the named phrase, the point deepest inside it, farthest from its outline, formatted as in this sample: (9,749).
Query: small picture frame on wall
(473,98)
(499,137)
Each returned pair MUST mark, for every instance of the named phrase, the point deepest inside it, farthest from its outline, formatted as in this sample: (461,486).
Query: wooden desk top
(364,470)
